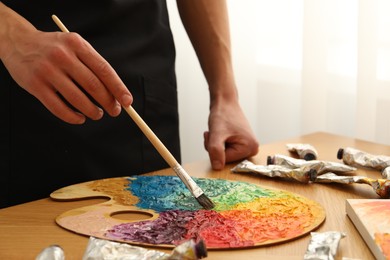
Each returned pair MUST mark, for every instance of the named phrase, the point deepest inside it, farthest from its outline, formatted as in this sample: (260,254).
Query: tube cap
(309,157)
(270,160)
(340,153)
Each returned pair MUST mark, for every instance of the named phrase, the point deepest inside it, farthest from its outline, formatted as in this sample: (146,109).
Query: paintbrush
(196,191)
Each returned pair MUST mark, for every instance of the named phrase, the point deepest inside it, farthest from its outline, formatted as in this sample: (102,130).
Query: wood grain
(96,220)
(28,228)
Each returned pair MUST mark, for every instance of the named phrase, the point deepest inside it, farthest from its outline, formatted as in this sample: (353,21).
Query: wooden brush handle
(162,150)
(59,23)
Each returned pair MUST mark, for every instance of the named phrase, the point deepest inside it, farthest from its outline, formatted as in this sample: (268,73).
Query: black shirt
(44,153)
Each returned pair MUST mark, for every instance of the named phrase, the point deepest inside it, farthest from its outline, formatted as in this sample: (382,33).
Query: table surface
(26,229)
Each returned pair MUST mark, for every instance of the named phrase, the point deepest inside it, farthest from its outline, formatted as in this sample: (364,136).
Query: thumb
(216,149)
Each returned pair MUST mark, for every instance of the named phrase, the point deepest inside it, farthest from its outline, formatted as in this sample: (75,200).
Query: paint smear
(116,188)
(375,217)
(245,214)
(383,240)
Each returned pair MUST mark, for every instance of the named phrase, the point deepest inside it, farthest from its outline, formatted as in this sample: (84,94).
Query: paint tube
(386,173)
(303,174)
(53,252)
(380,186)
(320,166)
(355,157)
(323,245)
(304,151)
(189,250)
(104,249)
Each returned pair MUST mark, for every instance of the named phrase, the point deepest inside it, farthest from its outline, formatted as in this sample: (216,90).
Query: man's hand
(230,137)
(53,64)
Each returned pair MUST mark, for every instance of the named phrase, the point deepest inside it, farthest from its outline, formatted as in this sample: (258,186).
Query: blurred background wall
(301,66)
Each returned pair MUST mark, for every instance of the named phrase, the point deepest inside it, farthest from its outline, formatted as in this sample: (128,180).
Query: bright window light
(279,33)
(383,64)
(342,23)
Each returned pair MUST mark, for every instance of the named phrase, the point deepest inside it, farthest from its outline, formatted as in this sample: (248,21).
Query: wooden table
(28,228)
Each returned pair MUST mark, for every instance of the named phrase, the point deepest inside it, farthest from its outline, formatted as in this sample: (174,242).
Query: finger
(238,148)
(206,140)
(234,153)
(103,70)
(95,88)
(72,94)
(85,78)
(58,108)
(216,149)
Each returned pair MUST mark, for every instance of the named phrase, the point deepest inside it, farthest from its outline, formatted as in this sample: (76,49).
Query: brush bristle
(205,201)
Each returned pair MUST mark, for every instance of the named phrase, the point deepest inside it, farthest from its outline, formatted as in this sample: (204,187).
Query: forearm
(12,27)
(207,26)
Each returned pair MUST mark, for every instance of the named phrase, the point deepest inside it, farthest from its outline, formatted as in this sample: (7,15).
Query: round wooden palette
(164,213)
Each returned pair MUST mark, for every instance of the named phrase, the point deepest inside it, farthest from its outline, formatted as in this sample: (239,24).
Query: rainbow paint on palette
(245,215)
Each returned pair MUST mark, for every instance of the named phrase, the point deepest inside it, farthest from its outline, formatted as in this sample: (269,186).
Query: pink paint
(245,215)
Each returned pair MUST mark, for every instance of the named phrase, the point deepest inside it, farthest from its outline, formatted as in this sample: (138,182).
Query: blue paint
(162,193)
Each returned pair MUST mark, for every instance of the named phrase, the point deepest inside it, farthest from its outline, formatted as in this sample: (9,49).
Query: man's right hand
(53,64)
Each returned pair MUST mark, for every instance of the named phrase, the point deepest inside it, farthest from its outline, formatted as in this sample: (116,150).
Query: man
(121,53)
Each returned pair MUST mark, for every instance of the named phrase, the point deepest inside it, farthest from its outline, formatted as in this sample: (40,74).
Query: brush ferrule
(188,181)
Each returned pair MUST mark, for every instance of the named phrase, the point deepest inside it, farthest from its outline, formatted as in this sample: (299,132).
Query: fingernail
(80,120)
(117,108)
(101,112)
(127,100)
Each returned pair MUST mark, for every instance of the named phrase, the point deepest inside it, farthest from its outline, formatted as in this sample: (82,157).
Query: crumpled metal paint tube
(355,157)
(304,151)
(53,252)
(303,174)
(386,173)
(323,245)
(320,166)
(380,186)
(99,249)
